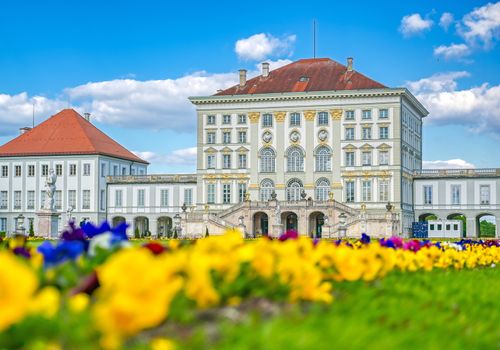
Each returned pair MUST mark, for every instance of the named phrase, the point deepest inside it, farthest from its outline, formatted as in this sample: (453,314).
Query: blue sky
(132,64)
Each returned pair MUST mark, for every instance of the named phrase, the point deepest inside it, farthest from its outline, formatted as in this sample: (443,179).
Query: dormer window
(303,78)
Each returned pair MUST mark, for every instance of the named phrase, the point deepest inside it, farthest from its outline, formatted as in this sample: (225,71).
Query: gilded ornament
(254,117)
(336,114)
(280,116)
(309,115)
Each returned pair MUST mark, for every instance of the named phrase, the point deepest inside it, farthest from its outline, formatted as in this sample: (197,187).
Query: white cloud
(477,108)
(445,20)
(482,25)
(436,83)
(453,51)
(447,164)
(414,24)
(260,46)
(184,156)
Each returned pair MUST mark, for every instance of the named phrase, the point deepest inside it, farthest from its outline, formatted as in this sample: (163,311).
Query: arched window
(322,189)
(266,189)
(323,159)
(267,160)
(294,189)
(295,159)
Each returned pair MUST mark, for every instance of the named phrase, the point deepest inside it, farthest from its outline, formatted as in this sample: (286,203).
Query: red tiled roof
(318,74)
(66,133)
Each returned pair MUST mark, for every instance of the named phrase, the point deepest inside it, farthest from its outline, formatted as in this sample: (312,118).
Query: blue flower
(63,251)
(365,239)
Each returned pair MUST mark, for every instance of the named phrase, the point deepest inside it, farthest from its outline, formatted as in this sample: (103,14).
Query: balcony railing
(161,178)
(483,172)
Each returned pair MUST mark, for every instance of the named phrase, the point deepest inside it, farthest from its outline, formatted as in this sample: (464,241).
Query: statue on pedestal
(50,189)
(277,213)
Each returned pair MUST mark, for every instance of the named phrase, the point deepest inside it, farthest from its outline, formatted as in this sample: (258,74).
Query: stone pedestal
(277,230)
(48,222)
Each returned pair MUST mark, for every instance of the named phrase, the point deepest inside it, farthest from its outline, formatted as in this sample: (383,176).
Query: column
(253,185)
(471,227)
(280,138)
(497,232)
(335,138)
(309,116)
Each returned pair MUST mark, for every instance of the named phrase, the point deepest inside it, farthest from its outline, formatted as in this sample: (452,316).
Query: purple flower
(290,234)
(62,251)
(365,239)
(22,251)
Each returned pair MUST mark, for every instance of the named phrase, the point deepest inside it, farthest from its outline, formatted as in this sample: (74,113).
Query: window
(4,199)
(30,201)
(349,191)
(242,136)
(366,114)
(31,170)
(431,227)
(383,158)
(455,227)
(267,120)
(294,119)
(58,200)
(72,169)
(210,193)
(349,115)
(226,119)
(103,169)
(164,198)
(350,159)
(226,193)
(427,194)
(226,137)
(5,171)
(188,196)
(383,113)
(17,170)
(439,227)
(86,199)
(242,119)
(124,171)
(322,118)
(367,133)
(115,170)
(211,161)
(383,132)
(293,190)
(242,161)
(226,161)
(484,193)
(266,189)
(17,199)
(58,169)
(3,224)
(42,199)
(45,169)
(455,194)
(322,189)
(242,190)
(383,191)
(86,169)
(323,159)
(366,190)
(72,199)
(349,133)
(267,160)
(367,158)
(140,197)
(295,160)
(211,137)
(211,119)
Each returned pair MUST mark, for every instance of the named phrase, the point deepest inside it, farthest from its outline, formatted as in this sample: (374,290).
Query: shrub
(137,233)
(31,231)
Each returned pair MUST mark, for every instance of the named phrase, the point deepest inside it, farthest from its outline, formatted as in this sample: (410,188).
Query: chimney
(265,69)
(243,77)
(86,116)
(24,130)
(349,64)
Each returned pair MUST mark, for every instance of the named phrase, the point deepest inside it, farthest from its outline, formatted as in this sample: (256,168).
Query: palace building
(314,146)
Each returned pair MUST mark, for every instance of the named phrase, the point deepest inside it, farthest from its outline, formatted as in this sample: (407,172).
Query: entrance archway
(427,217)
(117,220)
(486,225)
(290,221)
(141,226)
(461,217)
(260,224)
(164,228)
(316,222)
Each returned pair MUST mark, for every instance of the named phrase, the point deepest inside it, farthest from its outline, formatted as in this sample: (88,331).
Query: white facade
(81,184)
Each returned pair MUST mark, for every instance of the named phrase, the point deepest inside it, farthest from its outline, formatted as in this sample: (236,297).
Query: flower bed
(93,289)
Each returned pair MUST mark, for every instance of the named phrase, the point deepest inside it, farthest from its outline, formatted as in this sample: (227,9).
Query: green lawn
(436,310)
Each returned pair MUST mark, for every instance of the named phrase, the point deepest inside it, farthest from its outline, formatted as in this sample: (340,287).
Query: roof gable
(317,74)
(66,133)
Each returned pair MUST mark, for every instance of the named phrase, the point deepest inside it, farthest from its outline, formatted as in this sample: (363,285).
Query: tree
(137,233)
(31,231)
(487,229)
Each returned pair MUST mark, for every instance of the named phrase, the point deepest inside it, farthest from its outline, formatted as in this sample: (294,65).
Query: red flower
(155,248)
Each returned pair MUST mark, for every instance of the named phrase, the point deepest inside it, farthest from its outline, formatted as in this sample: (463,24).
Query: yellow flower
(162,344)
(46,302)
(18,283)
(78,302)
